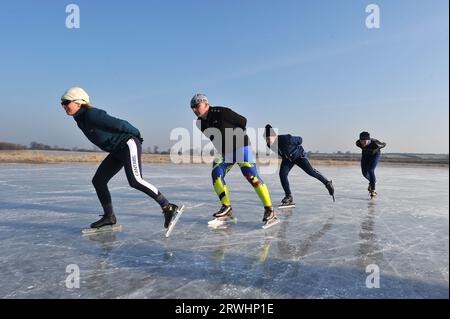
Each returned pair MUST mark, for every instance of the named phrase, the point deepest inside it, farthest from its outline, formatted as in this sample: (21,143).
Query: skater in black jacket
(232,150)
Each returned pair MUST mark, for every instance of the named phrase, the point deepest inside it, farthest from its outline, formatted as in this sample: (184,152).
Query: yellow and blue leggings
(220,170)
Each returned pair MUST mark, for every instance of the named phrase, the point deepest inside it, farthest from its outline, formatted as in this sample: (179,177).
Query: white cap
(76,94)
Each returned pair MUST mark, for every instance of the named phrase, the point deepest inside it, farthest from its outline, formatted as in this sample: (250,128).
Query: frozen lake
(320,249)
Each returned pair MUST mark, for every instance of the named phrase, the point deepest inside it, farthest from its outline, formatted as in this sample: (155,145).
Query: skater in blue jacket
(291,151)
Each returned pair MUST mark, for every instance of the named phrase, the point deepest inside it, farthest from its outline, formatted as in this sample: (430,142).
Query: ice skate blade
(174,221)
(104,229)
(286,206)
(273,222)
(216,223)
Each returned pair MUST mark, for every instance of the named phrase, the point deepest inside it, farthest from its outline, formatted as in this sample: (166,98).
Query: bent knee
(255,181)
(98,181)
(134,183)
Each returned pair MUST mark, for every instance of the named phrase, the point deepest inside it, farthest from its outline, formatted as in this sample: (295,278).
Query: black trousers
(128,157)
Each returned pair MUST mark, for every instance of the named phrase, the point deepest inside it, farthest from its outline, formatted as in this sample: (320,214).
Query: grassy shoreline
(55,157)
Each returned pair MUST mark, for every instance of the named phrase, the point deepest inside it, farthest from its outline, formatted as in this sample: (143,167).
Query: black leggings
(305,165)
(129,157)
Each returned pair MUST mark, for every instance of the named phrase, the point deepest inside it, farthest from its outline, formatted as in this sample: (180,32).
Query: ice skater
(123,143)
(291,151)
(226,122)
(370,156)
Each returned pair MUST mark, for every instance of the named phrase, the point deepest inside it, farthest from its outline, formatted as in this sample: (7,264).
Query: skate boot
(287,200)
(223,217)
(106,220)
(169,212)
(225,212)
(270,219)
(372,192)
(330,188)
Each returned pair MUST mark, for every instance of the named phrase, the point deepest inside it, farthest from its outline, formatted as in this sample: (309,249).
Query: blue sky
(310,68)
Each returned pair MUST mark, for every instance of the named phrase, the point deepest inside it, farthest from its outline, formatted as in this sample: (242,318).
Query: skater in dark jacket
(370,156)
(232,150)
(123,143)
(291,151)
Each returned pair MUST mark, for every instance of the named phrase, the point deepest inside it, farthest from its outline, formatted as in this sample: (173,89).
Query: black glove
(140,139)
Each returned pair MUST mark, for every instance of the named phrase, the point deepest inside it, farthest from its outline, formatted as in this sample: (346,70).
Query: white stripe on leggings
(135,166)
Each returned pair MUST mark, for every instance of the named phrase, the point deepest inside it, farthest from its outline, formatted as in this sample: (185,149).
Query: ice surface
(319,250)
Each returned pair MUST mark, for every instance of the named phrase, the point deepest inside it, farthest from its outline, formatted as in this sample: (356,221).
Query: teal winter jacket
(106,132)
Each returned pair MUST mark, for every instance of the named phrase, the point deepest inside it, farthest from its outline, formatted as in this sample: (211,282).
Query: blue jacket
(290,147)
(106,132)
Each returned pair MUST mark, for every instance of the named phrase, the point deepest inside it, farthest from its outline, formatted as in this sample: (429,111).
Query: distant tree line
(155,150)
(338,155)
(44,147)
(11,146)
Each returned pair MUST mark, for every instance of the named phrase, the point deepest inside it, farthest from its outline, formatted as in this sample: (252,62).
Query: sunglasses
(65,102)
